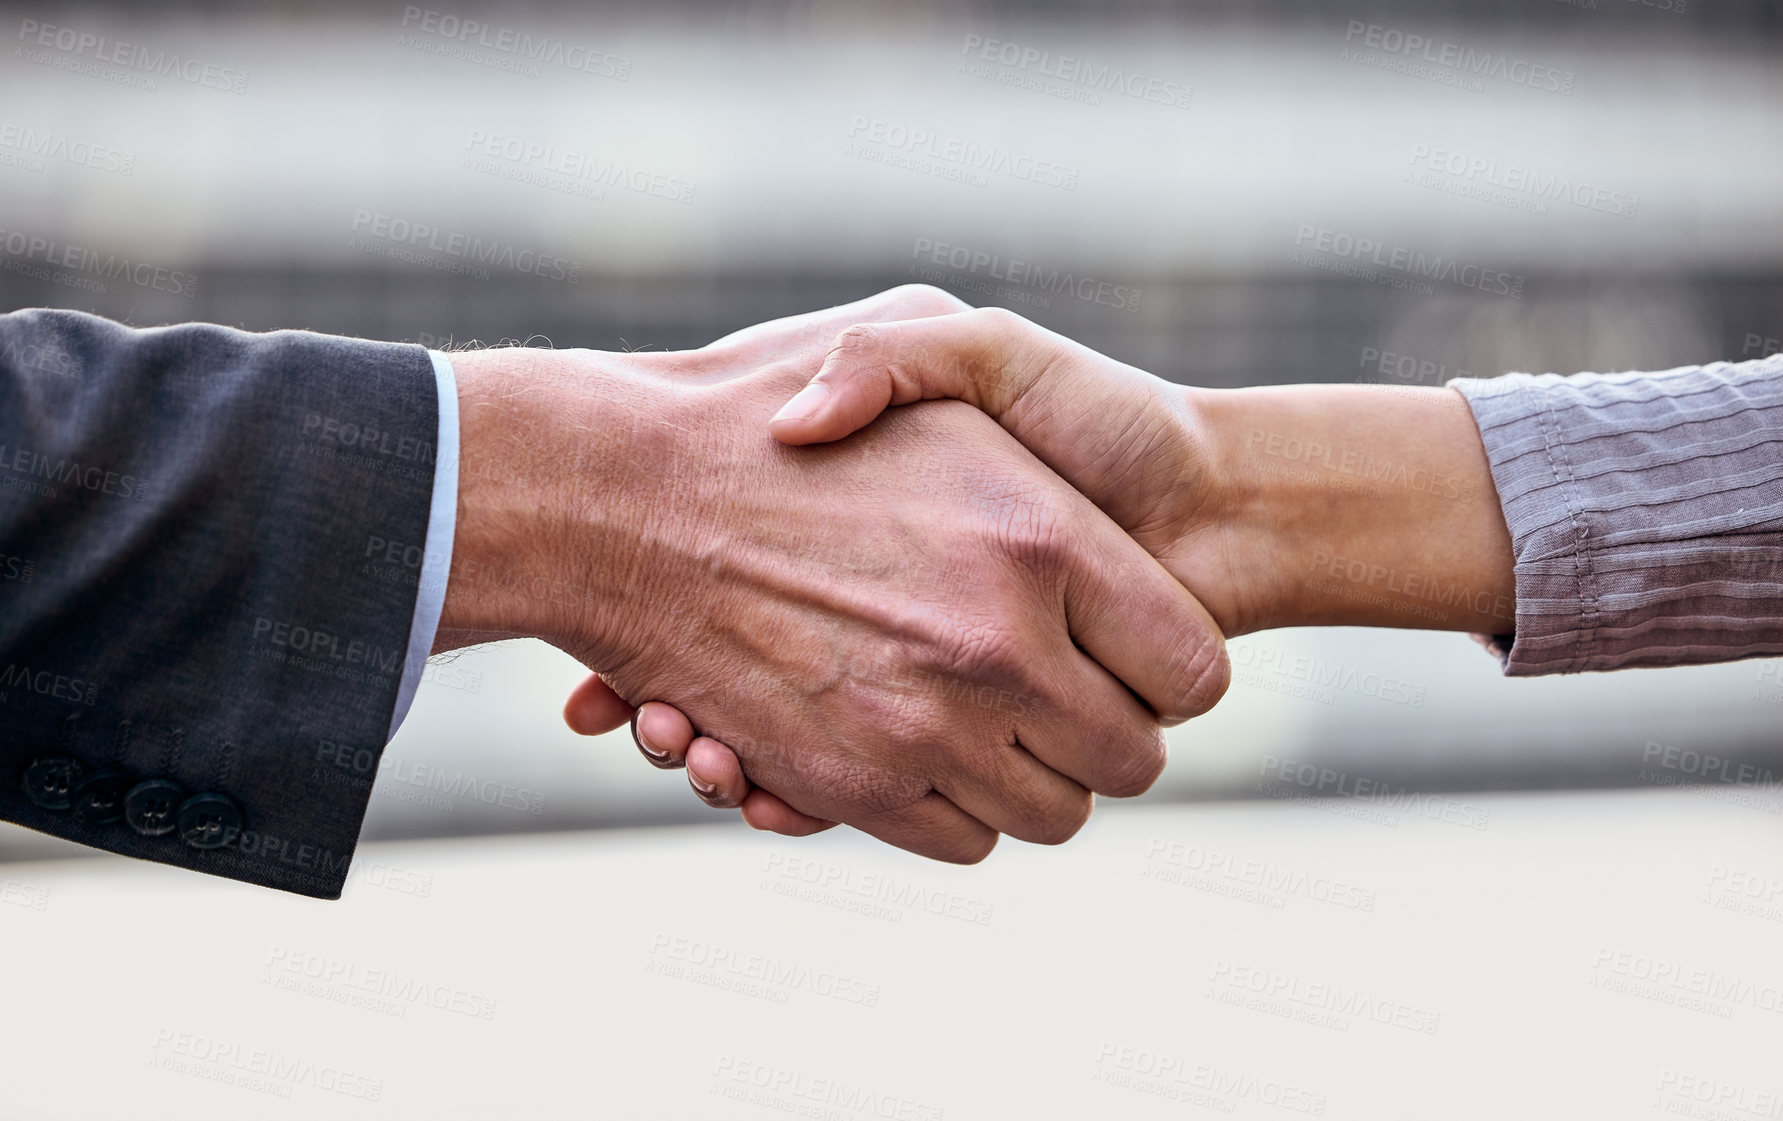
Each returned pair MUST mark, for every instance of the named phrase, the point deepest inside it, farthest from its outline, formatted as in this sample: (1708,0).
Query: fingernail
(706,790)
(805,403)
(655,756)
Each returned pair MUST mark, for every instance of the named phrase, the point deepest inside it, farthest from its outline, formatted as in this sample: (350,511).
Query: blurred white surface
(1597,955)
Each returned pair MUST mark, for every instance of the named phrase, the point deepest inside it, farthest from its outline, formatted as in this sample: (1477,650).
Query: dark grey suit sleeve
(201,639)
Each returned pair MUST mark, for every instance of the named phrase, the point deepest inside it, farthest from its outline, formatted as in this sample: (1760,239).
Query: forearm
(1360,506)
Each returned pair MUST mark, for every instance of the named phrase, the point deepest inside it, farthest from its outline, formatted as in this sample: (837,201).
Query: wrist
(536,484)
(1361,506)
(1261,521)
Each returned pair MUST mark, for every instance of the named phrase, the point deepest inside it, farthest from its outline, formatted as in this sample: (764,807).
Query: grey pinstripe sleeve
(1646,512)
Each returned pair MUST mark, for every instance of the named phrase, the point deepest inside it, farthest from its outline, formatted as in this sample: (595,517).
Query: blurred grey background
(1224,193)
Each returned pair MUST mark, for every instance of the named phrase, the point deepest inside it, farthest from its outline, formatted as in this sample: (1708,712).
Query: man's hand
(1280,506)
(923,632)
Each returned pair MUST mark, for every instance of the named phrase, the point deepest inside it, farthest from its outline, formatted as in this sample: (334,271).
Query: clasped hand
(921,631)
(939,631)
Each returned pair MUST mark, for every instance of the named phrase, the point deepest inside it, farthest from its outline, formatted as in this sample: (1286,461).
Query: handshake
(951,621)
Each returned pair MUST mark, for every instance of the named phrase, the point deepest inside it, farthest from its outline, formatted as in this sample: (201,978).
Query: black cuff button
(152,807)
(98,798)
(50,781)
(209,821)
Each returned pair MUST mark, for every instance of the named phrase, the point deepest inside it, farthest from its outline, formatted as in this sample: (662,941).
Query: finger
(768,813)
(1115,433)
(988,358)
(933,827)
(1013,792)
(814,330)
(1131,615)
(1087,726)
(715,766)
(662,733)
(594,708)
(715,775)
(899,807)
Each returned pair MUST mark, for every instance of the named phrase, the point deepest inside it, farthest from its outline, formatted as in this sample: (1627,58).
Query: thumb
(985,357)
(593,708)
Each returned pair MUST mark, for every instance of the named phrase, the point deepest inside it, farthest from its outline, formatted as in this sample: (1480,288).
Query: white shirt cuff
(436,560)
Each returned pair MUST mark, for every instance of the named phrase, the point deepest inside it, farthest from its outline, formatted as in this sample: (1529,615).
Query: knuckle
(1062,824)
(998,321)
(926,299)
(1133,771)
(980,650)
(857,338)
(870,790)
(967,850)
(1202,673)
(1036,533)
(858,345)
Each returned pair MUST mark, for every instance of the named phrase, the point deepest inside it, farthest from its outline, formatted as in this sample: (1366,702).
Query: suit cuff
(1645,512)
(436,561)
